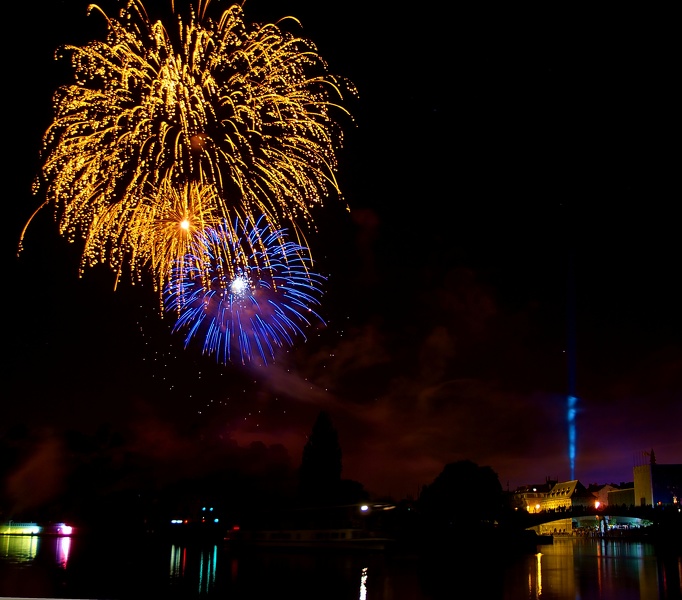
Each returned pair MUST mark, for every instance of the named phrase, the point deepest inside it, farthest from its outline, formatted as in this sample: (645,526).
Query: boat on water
(20,528)
(348,527)
(31,528)
(340,539)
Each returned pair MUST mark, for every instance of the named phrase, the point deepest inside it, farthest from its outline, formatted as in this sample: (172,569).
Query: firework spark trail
(260,294)
(242,116)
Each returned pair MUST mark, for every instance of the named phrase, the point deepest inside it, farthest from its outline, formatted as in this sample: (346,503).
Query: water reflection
(63,549)
(25,548)
(207,569)
(198,562)
(538,588)
(363,584)
(583,568)
(20,548)
(33,566)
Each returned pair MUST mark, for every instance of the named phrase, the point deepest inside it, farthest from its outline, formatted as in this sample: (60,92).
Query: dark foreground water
(122,569)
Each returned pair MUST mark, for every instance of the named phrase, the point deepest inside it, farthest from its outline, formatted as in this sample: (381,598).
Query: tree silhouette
(464,497)
(321,465)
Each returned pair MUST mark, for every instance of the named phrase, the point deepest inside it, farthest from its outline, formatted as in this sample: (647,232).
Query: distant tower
(643,476)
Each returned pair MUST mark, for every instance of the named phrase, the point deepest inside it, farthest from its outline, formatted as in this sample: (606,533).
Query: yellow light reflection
(538,587)
(20,548)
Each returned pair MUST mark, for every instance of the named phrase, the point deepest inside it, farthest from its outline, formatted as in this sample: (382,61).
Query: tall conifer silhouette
(321,465)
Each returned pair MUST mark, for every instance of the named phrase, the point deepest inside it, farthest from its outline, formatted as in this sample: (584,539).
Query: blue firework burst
(244,292)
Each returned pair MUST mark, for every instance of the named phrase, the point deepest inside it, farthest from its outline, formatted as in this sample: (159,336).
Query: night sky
(513,237)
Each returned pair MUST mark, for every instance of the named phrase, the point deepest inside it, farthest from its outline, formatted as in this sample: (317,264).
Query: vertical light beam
(570,417)
(572,399)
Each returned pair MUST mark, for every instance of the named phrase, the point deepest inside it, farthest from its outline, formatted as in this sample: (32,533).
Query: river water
(120,569)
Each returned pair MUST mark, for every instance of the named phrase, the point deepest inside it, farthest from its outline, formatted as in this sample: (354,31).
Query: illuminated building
(657,485)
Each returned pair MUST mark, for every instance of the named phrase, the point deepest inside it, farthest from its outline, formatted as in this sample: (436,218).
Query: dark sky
(513,236)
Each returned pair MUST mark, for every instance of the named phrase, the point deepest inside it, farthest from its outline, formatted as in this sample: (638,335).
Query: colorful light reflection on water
(122,568)
(20,548)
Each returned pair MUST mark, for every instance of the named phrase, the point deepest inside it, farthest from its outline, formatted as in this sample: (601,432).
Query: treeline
(145,478)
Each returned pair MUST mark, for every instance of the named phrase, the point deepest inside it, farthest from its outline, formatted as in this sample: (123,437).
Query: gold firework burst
(246,111)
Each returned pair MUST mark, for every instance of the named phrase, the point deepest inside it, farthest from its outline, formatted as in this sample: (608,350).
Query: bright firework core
(240,285)
(244,292)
